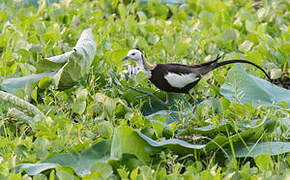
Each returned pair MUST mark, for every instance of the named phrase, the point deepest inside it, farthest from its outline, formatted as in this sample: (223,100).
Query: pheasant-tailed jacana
(179,78)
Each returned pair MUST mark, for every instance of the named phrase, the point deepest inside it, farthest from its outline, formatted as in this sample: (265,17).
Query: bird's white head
(135,55)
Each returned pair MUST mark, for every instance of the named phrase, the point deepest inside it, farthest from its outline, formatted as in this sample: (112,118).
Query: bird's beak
(124,59)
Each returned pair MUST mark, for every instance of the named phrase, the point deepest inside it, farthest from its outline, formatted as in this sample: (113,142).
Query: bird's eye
(133,54)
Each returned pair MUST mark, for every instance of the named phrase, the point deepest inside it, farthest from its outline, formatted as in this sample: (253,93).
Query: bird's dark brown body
(161,70)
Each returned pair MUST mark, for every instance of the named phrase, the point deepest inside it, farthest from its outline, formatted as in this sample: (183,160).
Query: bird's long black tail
(219,64)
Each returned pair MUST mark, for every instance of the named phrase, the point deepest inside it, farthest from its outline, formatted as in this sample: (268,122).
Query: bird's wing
(180,75)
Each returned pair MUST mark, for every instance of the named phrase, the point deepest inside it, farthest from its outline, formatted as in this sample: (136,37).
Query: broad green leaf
(79,61)
(33,169)
(244,88)
(271,148)
(255,57)
(11,84)
(80,163)
(104,169)
(67,68)
(64,175)
(71,66)
(53,63)
(126,140)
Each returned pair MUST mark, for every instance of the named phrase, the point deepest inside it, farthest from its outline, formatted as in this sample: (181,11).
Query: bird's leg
(148,94)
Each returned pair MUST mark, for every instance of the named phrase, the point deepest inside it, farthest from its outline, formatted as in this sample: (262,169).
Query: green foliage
(244,88)
(95,128)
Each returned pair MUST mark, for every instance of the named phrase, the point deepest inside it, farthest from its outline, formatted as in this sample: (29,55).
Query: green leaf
(11,84)
(255,57)
(104,169)
(285,48)
(264,162)
(176,145)
(80,163)
(251,27)
(276,73)
(126,140)
(34,94)
(244,88)
(44,83)
(181,48)
(33,169)
(73,65)
(270,148)
(231,34)
(246,46)
(82,94)
(204,129)
(79,106)
(64,175)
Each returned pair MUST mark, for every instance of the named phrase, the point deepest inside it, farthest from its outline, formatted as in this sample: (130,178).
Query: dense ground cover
(90,126)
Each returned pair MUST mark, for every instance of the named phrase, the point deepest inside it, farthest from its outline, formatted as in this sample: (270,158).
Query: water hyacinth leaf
(79,62)
(65,69)
(80,163)
(9,85)
(271,148)
(251,89)
(204,129)
(53,63)
(72,65)
(33,169)
(126,140)
(176,145)
(103,169)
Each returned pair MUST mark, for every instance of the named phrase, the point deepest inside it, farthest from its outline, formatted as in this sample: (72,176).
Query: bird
(179,78)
